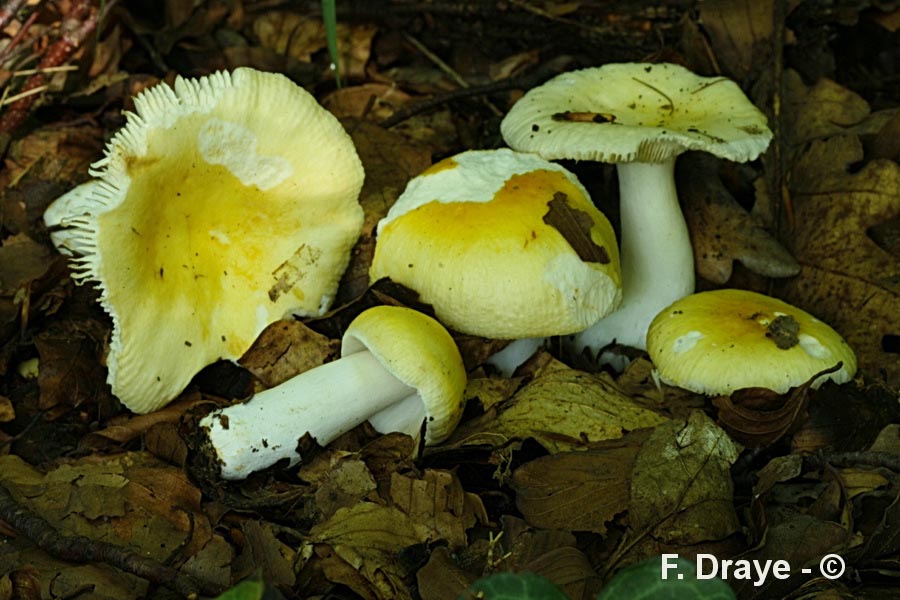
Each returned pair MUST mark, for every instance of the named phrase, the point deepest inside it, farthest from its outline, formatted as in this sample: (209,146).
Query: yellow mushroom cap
(223,205)
(643,112)
(480,237)
(419,352)
(721,341)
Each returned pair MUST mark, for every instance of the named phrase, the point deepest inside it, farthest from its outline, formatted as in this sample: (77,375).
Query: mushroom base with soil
(398,370)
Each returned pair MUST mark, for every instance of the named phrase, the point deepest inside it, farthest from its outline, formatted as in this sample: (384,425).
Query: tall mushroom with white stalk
(398,369)
(641,117)
(224,204)
(502,245)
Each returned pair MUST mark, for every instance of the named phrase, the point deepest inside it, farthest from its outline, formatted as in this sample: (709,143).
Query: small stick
(81,549)
(9,10)
(76,27)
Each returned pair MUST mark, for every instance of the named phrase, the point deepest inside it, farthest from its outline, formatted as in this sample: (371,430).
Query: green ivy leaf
(644,581)
(513,586)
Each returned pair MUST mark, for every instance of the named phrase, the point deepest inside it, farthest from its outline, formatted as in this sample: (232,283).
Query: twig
(19,35)
(76,27)
(20,95)
(539,75)
(81,549)
(9,10)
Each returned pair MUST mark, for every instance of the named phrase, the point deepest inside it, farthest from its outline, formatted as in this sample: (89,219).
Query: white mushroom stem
(324,402)
(514,355)
(657,258)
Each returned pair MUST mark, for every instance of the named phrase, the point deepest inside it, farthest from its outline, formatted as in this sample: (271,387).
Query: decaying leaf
(562,409)
(740,33)
(847,279)
(438,500)
(441,578)
(758,417)
(681,487)
(131,499)
(71,373)
(362,543)
(721,230)
(578,491)
(285,349)
(300,36)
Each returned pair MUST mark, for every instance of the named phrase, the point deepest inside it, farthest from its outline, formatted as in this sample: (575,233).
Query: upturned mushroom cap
(720,341)
(636,112)
(419,352)
(503,245)
(222,205)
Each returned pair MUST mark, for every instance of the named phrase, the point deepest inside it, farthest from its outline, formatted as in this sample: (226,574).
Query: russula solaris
(225,203)
(503,245)
(398,369)
(724,340)
(641,117)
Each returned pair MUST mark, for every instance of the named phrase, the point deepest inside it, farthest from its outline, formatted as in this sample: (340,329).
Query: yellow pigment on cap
(418,351)
(224,204)
(724,340)
(470,237)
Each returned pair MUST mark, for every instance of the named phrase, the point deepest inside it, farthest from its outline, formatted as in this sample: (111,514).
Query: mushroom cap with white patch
(725,340)
(419,352)
(640,112)
(224,204)
(475,235)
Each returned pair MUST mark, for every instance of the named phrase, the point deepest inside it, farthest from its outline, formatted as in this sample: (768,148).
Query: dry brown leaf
(441,578)
(285,349)
(265,554)
(344,485)
(681,487)
(376,101)
(367,539)
(22,261)
(71,373)
(7,410)
(577,491)
(130,499)
(721,230)
(299,36)
(757,417)
(550,553)
(740,33)
(489,391)
(847,279)
(562,409)
(438,501)
(390,161)
(846,417)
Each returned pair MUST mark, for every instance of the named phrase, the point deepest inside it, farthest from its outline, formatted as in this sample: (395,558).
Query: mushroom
(641,117)
(222,205)
(724,340)
(398,369)
(503,245)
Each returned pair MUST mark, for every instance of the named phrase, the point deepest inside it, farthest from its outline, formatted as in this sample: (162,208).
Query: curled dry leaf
(721,230)
(285,349)
(757,417)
